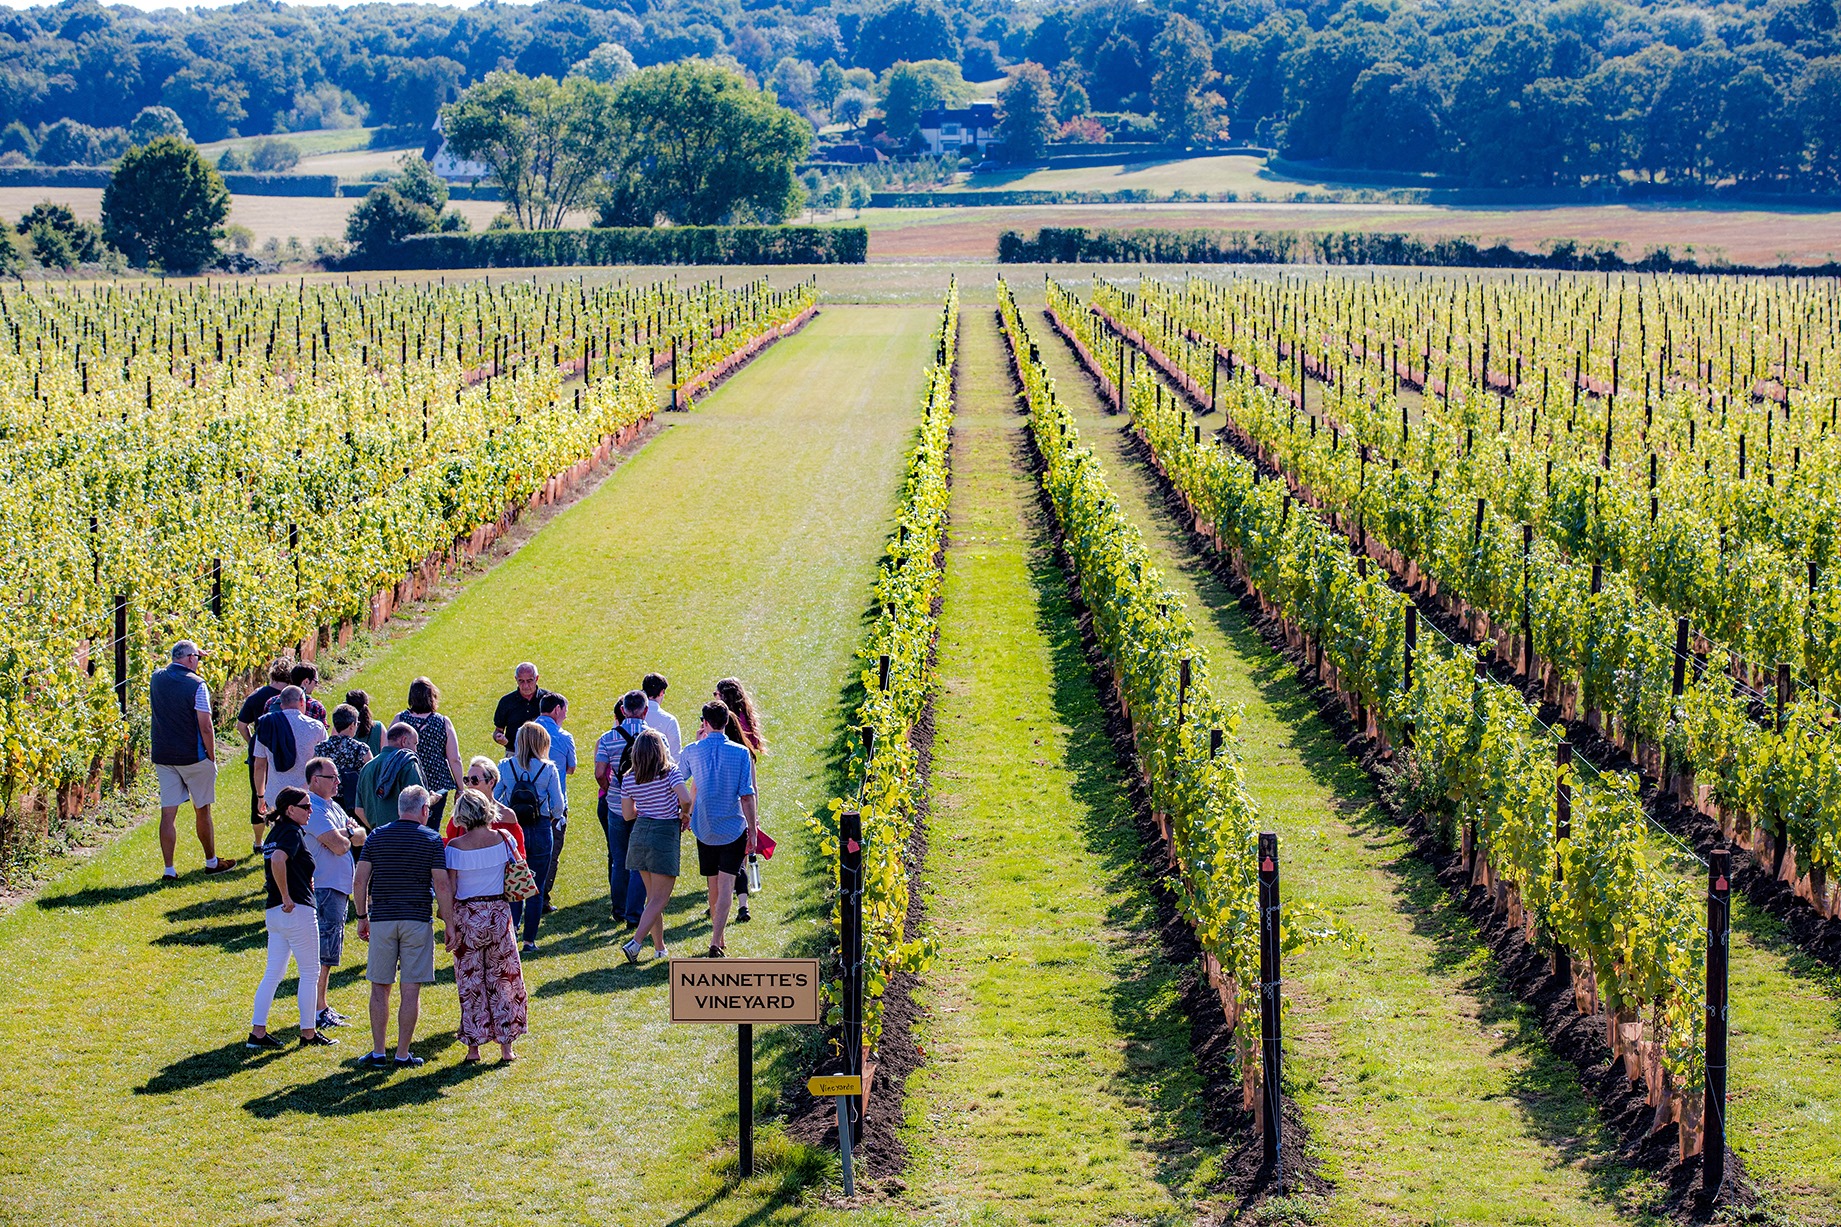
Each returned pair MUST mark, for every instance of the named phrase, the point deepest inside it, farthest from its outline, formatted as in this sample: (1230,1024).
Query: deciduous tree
(1026,113)
(546,144)
(165,206)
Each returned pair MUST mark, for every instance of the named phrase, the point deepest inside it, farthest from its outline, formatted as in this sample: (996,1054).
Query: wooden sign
(745,991)
(833,1085)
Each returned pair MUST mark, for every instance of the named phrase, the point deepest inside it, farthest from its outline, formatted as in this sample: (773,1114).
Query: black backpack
(524,800)
(626,754)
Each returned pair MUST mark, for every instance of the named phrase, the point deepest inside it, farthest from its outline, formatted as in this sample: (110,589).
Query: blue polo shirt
(562,752)
(723,772)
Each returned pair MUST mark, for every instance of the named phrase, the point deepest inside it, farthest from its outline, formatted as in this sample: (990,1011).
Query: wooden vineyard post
(1562,829)
(121,653)
(1269,1001)
(1783,692)
(1182,688)
(1527,602)
(1679,680)
(850,952)
(1719,937)
(744,1073)
(1214,385)
(217,588)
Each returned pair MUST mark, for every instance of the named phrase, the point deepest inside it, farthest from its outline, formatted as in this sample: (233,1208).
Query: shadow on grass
(233,936)
(1145,997)
(352,1090)
(1545,1087)
(102,896)
(203,1068)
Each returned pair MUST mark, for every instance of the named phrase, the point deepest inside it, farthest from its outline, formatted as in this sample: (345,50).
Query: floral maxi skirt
(488,974)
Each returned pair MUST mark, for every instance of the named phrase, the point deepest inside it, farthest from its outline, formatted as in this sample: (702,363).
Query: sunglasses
(476,779)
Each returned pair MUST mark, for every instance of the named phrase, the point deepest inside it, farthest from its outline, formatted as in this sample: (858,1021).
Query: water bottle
(754,873)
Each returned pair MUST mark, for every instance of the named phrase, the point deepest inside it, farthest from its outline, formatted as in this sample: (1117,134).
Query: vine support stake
(1783,692)
(882,670)
(1182,688)
(1269,981)
(1562,829)
(850,953)
(121,653)
(1719,937)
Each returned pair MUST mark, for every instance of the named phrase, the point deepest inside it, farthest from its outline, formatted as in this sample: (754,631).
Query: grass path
(1059,1086)
(742,540)
(1430,1092)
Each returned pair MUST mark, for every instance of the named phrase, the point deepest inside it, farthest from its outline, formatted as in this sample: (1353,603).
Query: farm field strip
(1785,1044)
(1059,1084)
(738,571)
(1414,1064)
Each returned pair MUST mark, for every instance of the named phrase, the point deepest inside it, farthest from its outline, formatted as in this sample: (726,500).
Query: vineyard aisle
(741,540)
(1430,1092)
(1058,1085)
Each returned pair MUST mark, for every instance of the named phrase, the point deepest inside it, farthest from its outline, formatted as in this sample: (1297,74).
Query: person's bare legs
(207,831)
(658,896)
(380,1015)
(722,891)
(325,976)
(169,832)
(406,1014)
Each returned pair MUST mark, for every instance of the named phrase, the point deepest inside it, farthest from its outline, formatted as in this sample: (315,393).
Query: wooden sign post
(744,992)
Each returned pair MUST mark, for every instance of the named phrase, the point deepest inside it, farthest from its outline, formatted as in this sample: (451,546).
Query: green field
(1244,174)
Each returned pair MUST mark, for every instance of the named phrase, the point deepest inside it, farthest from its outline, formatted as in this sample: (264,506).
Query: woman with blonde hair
(487,972)
(656,803)
(483,776)
(530,784)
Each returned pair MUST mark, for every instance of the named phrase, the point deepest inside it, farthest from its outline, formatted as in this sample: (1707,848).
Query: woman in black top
(292,927)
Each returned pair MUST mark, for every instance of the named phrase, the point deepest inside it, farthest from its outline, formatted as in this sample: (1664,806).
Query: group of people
(385,825)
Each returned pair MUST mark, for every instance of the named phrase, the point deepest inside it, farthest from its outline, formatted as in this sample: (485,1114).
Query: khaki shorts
(196,783)
(408,944)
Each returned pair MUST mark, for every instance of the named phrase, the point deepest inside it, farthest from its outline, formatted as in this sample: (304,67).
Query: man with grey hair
(518,708)
(400,869)
(285,739)
(185,753)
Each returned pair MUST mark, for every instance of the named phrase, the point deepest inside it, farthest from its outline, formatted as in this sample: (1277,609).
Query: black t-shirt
(515,710)
(288,836)
(252,710)
(403,857)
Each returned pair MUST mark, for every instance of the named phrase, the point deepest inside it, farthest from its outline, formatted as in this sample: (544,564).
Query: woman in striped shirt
(653,798)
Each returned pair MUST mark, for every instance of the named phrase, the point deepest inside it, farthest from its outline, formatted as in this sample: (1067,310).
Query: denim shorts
(330,906)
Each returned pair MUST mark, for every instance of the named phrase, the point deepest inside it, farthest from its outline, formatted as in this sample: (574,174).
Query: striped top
(658,799)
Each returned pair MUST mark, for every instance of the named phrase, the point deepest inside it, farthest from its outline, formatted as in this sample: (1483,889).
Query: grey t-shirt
(331,871)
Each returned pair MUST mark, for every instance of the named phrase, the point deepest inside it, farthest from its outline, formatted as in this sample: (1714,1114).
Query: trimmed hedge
(626,245)
(1079,245)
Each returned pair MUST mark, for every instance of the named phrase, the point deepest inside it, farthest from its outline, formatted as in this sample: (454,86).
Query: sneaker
(409,1062)
(319,1039)
(262,1042)
(717,952)
(329,1018)
(374,1060)
(631,950)
(548,907)
(225,864)
(742,917)
(169,876)
(528,948)
(337,1019)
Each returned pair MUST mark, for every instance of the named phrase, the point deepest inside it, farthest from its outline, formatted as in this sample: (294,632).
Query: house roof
(978,114)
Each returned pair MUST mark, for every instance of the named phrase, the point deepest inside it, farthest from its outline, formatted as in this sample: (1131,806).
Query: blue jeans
(539,845)
(629,902)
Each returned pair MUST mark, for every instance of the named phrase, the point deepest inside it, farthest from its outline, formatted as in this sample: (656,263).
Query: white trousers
(296,933)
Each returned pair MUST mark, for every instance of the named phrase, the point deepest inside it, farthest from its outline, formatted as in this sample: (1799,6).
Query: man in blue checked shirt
(720,773)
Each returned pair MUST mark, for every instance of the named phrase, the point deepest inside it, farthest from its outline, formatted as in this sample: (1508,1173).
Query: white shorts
(196,783)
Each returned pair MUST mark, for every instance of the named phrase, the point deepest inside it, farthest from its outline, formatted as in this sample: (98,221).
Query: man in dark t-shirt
(402,867)
(519,707)
(252,710)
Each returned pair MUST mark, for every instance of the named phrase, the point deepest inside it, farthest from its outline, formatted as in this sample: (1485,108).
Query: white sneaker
(631,950)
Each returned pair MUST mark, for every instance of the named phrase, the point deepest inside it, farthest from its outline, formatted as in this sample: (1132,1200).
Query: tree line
(1547,93)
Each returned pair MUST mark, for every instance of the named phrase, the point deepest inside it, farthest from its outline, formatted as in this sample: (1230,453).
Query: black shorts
(713,859)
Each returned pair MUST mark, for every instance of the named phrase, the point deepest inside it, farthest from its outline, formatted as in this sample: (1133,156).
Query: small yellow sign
(837,1084)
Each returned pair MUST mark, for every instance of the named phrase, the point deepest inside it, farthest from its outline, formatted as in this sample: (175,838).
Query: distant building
(959,130)
(450,168)
(848,155)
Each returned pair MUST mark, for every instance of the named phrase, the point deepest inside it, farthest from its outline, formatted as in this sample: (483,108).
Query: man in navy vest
(185,753)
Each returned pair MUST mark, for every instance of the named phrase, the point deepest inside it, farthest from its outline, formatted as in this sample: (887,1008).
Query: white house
(962,130)
(452,169)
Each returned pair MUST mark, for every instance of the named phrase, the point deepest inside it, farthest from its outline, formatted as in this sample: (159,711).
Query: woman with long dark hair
(437,745)
(744,728)
(369,731)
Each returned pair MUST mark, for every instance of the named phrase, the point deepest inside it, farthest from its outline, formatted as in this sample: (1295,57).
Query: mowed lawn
(742,540)
(1060,1085)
